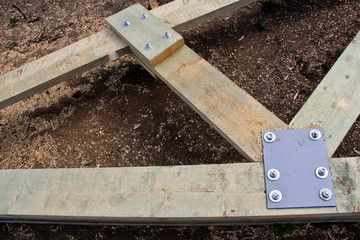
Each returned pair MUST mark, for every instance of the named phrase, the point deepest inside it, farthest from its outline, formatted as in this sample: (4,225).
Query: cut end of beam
(149,37)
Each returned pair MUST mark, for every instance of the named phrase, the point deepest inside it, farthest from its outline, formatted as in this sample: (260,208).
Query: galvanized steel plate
(297,157)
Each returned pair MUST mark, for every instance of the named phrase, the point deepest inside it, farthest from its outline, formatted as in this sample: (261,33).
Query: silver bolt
(143,16)
(148,46)
(126,23)
(273,174)
(275,196)
(321,172)
(315,134)
(326,194)
(167,35)
(269,137)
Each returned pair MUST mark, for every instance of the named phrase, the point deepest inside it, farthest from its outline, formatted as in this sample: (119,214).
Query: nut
(275,196)
(321,172)
(269,137)
(273,174)
(325,194)
(315,134)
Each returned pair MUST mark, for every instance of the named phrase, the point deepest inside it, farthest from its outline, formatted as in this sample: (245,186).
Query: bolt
(273,174)
(269,137)
(326,194)
(315,134)
(143,16)
(167,35)
(275,196)
(148,46)
(321,172)
(126,23)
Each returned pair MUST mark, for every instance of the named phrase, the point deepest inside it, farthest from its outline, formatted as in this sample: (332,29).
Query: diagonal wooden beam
(335,103)
(100,48)
(202,194)
(236,115)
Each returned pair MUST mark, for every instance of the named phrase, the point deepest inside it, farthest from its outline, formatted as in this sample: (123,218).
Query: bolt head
(325,194)
(275,196)
(315,134)
(321,172)
(269,137)
(143,16)
(126,23)
(167,35)
(273,174)
(148,46)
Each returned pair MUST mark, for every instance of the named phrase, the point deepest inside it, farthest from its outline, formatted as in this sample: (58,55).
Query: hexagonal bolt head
(315,134)
(269,137)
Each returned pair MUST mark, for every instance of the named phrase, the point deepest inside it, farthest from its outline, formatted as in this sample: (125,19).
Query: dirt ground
(118,115)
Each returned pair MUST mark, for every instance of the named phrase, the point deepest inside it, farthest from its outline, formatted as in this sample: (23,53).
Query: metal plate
(296,156)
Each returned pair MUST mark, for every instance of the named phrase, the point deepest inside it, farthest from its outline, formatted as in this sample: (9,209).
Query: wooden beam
(335,103)
(202,194)
(182,15)
(145,34)
(59,66)
(100,48)
(236,115)
(211,94)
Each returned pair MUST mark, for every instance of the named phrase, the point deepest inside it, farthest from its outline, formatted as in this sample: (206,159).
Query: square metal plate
(296,156)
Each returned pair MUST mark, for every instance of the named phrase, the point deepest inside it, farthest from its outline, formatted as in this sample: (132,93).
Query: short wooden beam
(335,103)
(149,37)
(202,194)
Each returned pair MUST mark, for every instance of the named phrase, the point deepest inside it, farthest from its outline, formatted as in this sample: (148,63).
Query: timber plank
(100,48)
(149,30)
(223,194)
(182,15)
(335,103)
(59,66)
(236,115)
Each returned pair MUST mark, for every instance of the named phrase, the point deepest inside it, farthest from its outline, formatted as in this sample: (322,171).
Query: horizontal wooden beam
(335,103)
(202,194)
(100,48)
(236,115)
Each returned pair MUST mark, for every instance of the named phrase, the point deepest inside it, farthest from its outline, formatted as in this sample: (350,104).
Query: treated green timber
(202,194)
